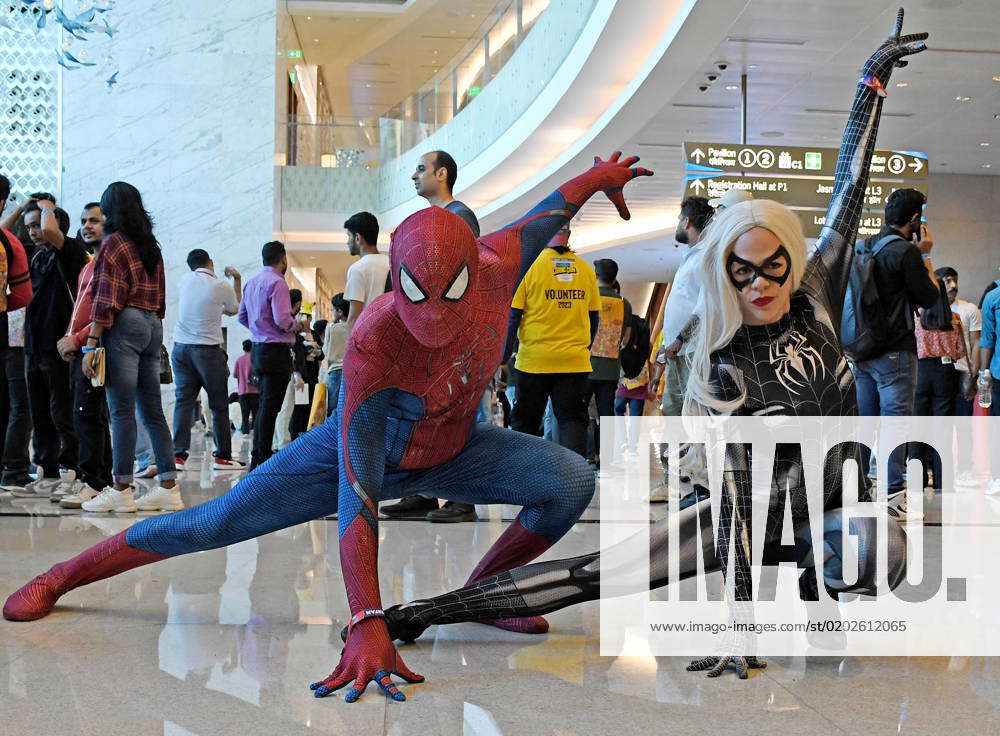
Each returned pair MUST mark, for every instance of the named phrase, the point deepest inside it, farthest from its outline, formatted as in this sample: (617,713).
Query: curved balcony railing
(366,142)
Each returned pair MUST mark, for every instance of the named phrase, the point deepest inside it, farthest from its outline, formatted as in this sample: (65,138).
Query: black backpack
(635,354)
(864,324)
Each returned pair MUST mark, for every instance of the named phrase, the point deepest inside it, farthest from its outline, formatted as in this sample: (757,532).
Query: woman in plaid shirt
(129,300)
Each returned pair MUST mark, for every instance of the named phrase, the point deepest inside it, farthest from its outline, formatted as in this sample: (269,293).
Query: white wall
(191,123)
(963,215)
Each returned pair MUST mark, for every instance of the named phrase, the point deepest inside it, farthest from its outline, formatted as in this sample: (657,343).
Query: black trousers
(90,417)
(248,411)
(15,415)
(604,396)
(568,392)
(272,361)
(937,384)
(50,396)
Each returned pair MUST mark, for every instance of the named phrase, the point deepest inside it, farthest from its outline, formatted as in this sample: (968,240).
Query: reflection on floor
(226,642)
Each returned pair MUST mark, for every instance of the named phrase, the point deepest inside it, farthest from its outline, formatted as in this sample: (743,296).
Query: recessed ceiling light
(309,17)
(315,40)
(963,98)
(772,134)
(986,166)
(751,66)
(902,84)
(996,77)
(732,86)
(984,143)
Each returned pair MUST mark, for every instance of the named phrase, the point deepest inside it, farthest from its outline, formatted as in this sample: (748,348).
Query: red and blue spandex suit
(415,369)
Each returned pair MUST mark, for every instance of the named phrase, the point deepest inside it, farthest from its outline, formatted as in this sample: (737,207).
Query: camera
(722,65)
(711,77)
(703,87)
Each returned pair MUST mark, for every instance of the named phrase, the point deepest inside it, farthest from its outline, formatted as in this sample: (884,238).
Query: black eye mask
(758,271)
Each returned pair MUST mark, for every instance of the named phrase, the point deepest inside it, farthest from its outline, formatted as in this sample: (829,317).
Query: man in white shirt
(367,277)
(967,369)
(199,356)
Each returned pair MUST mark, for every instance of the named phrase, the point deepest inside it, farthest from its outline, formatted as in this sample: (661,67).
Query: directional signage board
(734,157)
(813,221)
(794,192)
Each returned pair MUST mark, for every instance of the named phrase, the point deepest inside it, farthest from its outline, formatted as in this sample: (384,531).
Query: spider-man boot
(517,546)
(110,557)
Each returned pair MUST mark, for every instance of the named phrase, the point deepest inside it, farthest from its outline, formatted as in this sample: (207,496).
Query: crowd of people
(412,379)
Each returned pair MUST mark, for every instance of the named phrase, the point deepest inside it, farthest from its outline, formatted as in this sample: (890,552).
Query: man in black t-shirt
(55,268)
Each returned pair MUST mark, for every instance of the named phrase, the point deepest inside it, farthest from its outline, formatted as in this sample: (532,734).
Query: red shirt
(79,324)
(120,280)
(18,275)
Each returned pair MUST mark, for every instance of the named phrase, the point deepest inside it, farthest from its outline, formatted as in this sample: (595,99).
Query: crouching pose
(417,364)
(767,343)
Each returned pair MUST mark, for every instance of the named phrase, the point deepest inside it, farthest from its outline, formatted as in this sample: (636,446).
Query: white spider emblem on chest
(791,354)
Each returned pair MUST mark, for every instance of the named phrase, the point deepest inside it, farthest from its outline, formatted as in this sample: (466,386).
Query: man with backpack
(891,276)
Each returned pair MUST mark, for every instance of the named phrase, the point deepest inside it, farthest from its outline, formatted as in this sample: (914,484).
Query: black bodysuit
(793,367)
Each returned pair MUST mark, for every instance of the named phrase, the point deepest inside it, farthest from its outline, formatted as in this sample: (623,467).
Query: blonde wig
(719,306)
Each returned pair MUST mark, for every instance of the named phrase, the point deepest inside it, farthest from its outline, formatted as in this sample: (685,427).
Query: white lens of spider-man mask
(410,286)
(458,286)
(776,267)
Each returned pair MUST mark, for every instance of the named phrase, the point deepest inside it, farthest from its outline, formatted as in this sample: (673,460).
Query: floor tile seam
(805,702)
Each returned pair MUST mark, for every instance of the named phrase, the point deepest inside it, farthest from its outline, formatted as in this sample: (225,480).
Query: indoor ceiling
(802,60)
(374,54)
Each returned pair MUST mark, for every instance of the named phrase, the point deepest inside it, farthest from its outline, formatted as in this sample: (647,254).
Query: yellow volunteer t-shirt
(556,295)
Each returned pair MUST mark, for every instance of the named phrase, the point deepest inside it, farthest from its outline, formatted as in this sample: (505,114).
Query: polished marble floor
(226,642)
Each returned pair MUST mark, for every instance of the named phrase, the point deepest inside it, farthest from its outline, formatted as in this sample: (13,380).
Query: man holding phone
(904,276)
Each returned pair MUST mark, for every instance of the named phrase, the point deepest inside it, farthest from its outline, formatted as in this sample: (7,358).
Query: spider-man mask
(434,261)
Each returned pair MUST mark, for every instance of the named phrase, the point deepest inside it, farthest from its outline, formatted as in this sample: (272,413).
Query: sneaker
(968,479)
(896,509)
(161,499)
(147,471)
(111,499)
(179,462)
(453,511)
(76,500)
(410,507)
(16,482)
(222,463)
(67,487)
(660,494)
(37,488)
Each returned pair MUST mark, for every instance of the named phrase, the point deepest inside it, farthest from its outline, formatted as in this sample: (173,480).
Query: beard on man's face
(681,236)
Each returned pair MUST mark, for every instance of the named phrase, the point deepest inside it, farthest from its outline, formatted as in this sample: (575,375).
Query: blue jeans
(333,380)
(133,382)
(886,386)
(143,449)
(197,367)
(634,408)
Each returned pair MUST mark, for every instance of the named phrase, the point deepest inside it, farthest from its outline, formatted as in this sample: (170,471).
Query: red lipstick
(763,301)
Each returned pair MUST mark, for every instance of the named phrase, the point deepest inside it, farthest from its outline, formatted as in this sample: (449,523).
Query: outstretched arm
(829,266)
(369,654)
(537,228)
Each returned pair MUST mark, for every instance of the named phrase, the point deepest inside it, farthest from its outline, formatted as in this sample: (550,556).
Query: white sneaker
(224,465)
(68,487)
(148,471)
(968,479)
(660,494)
(111,499)
(993,489)
(75,501)
(161,499)
(896,509)
(42,488)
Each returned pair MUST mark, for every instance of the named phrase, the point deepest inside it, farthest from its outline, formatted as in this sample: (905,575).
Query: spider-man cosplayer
(417,364)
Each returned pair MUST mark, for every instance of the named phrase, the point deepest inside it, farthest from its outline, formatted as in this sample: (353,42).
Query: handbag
(941,343)
(99,365)
(166,372)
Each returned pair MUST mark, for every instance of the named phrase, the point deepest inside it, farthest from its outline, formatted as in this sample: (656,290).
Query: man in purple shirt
(266,311)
